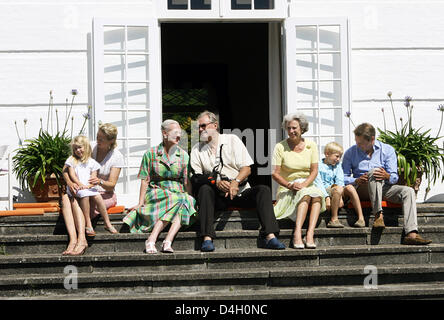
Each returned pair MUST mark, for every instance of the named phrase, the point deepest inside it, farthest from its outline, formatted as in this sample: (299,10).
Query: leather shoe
(418,240)
(379,223)
(359,224)
(207,246)
(273,243)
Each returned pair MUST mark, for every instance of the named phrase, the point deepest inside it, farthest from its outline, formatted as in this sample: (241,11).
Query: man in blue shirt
(372,168)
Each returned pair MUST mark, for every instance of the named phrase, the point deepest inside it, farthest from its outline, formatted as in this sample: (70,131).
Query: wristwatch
(101,182)
(237,180)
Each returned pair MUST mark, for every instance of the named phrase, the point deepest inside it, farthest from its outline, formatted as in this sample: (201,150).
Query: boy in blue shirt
(330,179)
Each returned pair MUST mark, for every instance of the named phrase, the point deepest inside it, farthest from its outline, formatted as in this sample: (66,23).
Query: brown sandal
(90,232)
(79,253)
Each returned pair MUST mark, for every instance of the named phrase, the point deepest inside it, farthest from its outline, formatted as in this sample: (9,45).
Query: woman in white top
(111,162)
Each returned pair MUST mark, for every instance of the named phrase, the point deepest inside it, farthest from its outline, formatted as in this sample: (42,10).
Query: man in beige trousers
(372,167)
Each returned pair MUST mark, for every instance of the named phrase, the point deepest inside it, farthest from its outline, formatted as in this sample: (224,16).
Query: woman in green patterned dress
(165,191)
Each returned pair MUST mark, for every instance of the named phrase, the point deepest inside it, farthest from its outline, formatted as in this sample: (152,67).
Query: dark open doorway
(222,67)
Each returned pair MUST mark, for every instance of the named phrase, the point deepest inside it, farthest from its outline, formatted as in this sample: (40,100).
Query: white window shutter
(128,91)
(316,76)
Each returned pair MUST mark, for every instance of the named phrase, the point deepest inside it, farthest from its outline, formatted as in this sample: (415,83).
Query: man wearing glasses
(221,165)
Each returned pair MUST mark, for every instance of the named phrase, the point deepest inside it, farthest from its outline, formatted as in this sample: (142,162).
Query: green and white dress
(166,196)
(295,166)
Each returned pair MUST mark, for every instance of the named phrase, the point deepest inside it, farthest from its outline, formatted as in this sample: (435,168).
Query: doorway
(221,67)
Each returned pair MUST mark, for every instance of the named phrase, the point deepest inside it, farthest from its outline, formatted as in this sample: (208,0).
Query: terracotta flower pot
(49,192)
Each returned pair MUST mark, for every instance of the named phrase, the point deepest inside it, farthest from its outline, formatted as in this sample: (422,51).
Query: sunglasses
(204,125)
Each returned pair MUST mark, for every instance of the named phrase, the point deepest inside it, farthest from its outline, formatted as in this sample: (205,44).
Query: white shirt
(234,156)
(114,159)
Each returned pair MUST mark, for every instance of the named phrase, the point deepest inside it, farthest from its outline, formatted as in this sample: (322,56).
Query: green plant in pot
(418,151)
(38,162)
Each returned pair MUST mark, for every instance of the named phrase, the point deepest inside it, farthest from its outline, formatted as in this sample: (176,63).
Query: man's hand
(381,174)
(223,186)
(362,179)
(234,189)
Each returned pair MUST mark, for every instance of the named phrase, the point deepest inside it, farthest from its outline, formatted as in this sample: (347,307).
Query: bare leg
(174,229)
(158,227)
(102,209)
(84,205)
(351,192)
(69,223)
(79,219)
(336,197)
(151,241)
(300,218)
(314,215)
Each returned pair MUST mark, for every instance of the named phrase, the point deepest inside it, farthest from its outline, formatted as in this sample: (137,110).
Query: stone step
(234,259)
(104,242)
(115,267)
(427,291)
(226,281)
(228,220)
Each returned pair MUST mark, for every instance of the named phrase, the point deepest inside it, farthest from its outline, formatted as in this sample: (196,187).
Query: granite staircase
(351,263)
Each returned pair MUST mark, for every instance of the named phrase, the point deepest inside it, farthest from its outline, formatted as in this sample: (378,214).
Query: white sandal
(150,247)
(309,245)
(166,247)
(298,246)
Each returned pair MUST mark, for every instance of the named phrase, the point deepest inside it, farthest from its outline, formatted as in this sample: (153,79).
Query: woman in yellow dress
(295,167)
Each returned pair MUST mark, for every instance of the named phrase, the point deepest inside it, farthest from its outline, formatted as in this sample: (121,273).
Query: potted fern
(417,150)
(38,162)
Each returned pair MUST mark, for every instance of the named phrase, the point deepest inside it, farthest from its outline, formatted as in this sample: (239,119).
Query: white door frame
(280,53)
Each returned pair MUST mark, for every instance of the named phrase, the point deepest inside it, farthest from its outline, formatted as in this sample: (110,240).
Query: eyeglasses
(204,125)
